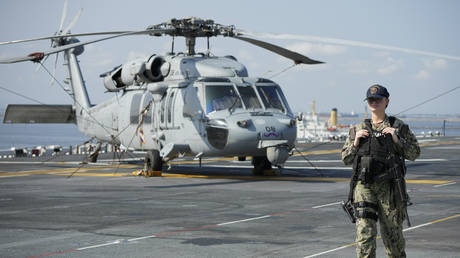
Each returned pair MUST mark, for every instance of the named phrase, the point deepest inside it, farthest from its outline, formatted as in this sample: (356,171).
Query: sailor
(377,148)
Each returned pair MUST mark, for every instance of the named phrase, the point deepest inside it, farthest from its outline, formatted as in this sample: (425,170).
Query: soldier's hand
(389,130)
(392,132)
(363,133)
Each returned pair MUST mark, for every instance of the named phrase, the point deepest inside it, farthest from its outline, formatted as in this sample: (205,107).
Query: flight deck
(61,207)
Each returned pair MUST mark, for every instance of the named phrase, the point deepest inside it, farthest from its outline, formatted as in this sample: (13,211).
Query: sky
(412,47)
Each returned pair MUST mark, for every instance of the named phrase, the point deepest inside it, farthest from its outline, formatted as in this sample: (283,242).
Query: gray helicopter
(177,104)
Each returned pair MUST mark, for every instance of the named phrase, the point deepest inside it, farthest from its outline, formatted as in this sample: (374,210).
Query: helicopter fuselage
(199,105)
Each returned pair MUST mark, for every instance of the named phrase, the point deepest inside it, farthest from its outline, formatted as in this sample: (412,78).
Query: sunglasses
(376,100)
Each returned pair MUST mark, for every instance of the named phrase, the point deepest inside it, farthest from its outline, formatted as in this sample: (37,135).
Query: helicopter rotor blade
(66,36)
(38,56)
(39,66)
(63,16)
(54,69)
(294,56)
(73,22)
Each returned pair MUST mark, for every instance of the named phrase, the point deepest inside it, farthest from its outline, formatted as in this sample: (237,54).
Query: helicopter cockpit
(267,97)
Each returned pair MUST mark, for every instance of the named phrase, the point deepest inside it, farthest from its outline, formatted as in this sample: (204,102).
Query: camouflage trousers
(390,215)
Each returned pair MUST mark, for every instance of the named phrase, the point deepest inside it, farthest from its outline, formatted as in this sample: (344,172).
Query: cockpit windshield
(272,97)
(249,96)
(221,97)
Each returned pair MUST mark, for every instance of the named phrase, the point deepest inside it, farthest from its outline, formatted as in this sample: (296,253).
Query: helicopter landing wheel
(153,163)
(261,164)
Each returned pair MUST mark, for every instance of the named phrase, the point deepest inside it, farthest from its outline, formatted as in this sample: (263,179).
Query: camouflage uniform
(390,210)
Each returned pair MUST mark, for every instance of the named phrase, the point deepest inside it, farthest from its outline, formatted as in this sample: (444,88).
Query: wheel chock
(147,173)
(154,173)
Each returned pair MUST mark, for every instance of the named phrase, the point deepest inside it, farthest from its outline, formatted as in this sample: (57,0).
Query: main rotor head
(191,28)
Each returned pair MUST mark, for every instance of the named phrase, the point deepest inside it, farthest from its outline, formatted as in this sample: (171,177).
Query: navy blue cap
(377,91)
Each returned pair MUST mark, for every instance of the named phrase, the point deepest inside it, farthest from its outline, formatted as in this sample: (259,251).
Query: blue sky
(426,26)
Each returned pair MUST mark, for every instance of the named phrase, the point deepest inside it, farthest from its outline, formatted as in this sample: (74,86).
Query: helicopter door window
(148,115)
(162,110)
(135,109)
(249,97)
(170,108)
(270,97)
(221,97)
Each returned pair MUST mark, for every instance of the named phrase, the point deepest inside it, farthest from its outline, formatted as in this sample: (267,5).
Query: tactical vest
(374,155)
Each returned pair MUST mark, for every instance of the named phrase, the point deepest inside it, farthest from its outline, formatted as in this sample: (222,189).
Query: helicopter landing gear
(262,167)
(153,163)
(93,156)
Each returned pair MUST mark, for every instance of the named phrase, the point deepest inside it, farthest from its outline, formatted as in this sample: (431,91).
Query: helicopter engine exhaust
(136,72)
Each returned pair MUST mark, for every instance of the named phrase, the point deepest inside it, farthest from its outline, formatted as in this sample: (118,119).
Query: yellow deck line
(277,178)
(444,219)
(340,150)
(87,172)
(60,170)
(94,174)
(439,143)
(379,236)
(319,152)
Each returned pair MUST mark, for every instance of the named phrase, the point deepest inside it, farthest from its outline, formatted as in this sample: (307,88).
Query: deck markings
(91,171)
(121,241)
(404,230)
(446,184)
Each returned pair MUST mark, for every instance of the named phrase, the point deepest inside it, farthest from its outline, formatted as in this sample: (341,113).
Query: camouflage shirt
(407,147)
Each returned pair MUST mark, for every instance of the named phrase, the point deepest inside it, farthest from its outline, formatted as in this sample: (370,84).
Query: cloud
(390,66)
(316,49)
(437,64)
(430,66)
(358,67)
(422,75)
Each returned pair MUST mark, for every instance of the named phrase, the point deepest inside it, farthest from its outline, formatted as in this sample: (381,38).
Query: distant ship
(311,129)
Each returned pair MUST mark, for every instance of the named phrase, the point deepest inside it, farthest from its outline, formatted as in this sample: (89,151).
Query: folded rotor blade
(65,36)
(17,59)
(39,65)
(294,56)
(33,57)
(73,22)
(63,16)
(54,69)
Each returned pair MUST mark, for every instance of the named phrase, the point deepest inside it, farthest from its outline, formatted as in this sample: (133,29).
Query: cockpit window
(271,97)
(249,96)
(221,97)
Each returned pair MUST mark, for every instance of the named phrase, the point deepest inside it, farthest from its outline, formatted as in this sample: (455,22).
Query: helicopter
(176,104)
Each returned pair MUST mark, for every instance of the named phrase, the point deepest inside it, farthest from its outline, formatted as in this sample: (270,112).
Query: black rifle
(398,172)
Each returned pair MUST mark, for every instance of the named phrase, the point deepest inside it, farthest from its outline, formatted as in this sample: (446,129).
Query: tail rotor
(57,42)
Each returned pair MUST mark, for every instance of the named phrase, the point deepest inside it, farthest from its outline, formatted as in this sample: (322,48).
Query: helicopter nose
(277,137)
